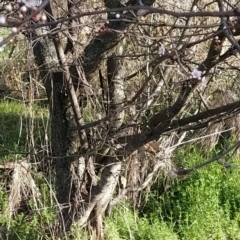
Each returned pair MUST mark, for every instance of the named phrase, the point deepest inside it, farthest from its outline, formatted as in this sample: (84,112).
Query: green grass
(16,122)
(33,221)
(12,126)
(125,224)
(204,206)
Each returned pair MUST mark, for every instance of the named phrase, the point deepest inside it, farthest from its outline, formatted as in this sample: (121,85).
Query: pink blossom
(196,74)
(2,19)
(8,7)
(23,8)
(44,17)
(204,82)
(14,30)
(30,3)
(161,50)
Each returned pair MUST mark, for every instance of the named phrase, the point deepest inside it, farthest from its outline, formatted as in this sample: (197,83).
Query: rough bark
(101,195)
(47,60)
(49,57)
(101,46)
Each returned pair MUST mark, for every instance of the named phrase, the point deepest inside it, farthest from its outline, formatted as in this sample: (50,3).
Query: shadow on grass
(22,127)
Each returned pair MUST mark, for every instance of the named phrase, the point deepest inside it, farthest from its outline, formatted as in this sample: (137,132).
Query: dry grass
(23,188)
(214,131)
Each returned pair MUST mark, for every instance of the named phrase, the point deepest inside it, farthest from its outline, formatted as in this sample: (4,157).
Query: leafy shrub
(30,223)
(125,223)
(205,205)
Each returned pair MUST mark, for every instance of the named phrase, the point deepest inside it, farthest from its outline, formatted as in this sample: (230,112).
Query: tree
(125,77)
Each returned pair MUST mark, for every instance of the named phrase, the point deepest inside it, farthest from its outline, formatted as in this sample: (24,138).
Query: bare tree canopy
(127,82)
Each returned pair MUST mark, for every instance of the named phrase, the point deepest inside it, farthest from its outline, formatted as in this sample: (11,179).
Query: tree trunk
(76,174)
